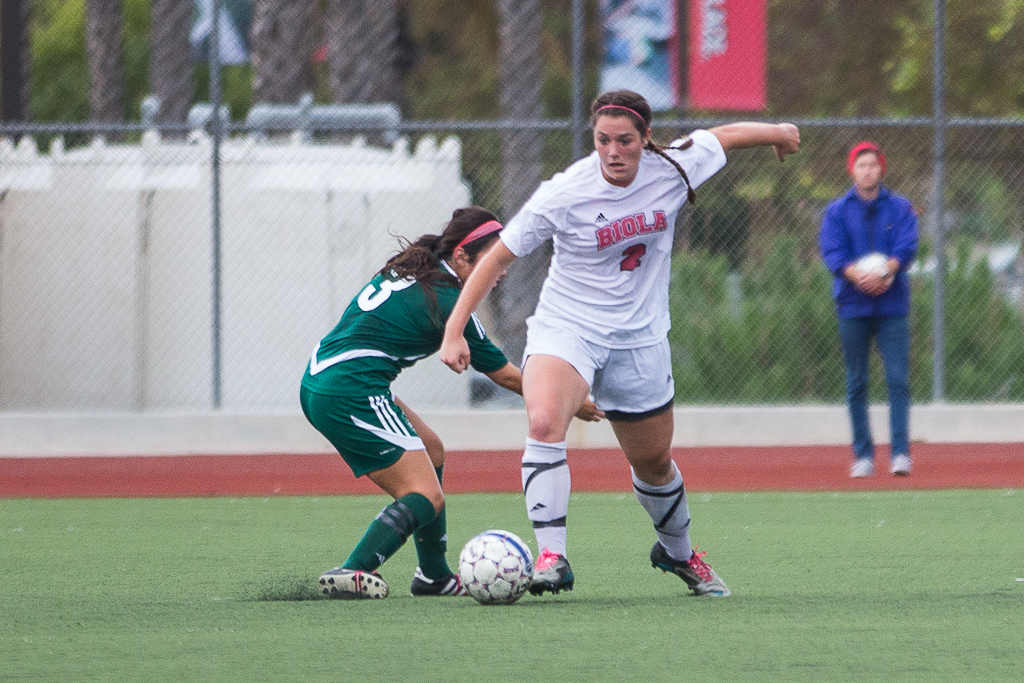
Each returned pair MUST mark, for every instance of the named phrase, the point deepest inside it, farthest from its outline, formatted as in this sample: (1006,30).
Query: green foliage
(456,75)
(60,71)
(875,58)
(768,334)
(984,334)
(60,74)
(235,85)
(826,58)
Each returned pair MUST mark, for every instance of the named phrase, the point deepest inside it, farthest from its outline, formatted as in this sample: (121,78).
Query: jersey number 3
(631,257)
(371,297)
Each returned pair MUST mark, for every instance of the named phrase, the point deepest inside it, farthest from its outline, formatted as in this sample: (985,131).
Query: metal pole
(215,97)
(938,190)
(577,123)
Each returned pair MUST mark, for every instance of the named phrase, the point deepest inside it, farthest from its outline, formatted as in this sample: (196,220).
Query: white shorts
(628,384)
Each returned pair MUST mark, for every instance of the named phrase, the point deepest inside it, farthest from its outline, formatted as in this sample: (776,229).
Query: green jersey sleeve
(484,356)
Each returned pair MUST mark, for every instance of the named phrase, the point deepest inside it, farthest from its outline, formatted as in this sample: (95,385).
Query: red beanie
(860,148)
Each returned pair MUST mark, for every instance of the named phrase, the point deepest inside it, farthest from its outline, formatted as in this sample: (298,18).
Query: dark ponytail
(631,105)
(420,260)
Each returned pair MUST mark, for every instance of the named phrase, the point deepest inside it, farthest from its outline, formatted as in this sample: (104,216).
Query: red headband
(861,148)
(619,106)
(482,231)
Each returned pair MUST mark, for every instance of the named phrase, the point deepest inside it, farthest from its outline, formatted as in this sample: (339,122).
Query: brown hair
(420,259)
(631,105)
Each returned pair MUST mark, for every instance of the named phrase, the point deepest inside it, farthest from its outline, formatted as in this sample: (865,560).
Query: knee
(547,426)
(856,386)
(436,499)
(656,471)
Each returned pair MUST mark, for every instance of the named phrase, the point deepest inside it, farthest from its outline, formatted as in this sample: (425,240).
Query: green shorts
(370,432)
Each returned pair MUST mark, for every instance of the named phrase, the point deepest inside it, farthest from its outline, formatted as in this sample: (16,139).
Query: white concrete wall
(106,262)
(106,434)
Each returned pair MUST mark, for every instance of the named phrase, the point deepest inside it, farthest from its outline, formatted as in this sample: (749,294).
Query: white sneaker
(901,465)
(862,467)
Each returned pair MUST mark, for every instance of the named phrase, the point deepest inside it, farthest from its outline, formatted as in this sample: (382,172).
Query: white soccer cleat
(862,467)
(698,574)
(352,584)
(901,465)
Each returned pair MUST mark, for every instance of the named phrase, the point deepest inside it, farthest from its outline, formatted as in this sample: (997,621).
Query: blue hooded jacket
(851,228)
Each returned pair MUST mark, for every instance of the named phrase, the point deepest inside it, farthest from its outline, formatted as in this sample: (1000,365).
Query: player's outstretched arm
(784,137)
(454,350)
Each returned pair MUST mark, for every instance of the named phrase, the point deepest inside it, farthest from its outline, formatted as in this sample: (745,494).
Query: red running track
(803,468)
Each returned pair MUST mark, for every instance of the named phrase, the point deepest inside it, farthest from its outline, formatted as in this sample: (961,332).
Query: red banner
(728,54)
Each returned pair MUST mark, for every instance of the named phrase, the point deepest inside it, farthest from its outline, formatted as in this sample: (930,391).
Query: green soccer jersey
(388,326)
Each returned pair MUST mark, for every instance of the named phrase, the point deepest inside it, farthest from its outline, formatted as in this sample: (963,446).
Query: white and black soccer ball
(496,567)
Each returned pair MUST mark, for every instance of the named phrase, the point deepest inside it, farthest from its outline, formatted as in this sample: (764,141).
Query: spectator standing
(868,239)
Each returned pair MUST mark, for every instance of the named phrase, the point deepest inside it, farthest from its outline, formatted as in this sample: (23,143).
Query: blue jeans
(892,337)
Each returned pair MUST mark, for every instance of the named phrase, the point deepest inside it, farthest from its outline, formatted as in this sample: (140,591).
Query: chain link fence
(128,284)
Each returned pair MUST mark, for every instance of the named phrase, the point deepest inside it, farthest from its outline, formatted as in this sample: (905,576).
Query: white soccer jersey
(609,276)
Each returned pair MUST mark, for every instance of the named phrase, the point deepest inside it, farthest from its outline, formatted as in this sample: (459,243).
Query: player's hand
(874,284)
(790,143)
(589,412)
(869,283)
(455,354)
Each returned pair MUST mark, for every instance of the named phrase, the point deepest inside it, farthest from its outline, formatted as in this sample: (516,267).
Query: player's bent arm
(508,377)
(454,350)
(784,137)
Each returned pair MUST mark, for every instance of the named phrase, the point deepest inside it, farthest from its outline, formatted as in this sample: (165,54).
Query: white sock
(667,508)
(546,485)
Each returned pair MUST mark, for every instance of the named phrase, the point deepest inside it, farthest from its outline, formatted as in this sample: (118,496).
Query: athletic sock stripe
(656,494)
(552,523)
(672,510)
(394,525)
(539,467)
(399,517)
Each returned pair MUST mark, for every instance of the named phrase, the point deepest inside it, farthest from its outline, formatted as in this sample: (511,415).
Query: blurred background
(156,256)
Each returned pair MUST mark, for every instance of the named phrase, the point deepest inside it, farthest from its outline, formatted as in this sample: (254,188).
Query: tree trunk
(281,48)
(106,66)
(15,60)
(521,153)
(362,50)
(171,63)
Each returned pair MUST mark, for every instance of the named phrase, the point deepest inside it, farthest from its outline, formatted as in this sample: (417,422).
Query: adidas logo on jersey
(538,506)
(600,218)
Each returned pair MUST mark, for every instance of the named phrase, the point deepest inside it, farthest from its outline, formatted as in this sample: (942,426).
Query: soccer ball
(496,567)
(873,263)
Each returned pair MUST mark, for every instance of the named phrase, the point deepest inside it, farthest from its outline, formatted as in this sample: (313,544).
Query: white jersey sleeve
(701,160)
(530,228)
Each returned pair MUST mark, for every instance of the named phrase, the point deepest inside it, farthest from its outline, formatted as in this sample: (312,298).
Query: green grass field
(899,586)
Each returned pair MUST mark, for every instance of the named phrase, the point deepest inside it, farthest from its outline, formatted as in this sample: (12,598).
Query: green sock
(389,531)
(432,543)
